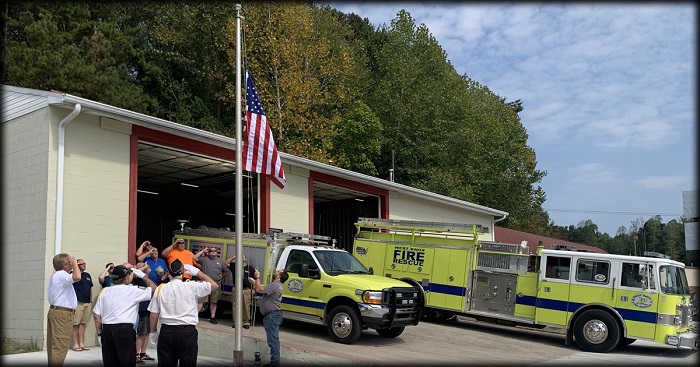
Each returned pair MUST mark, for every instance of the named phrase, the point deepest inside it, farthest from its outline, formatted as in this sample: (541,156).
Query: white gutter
(59,178)
(501,218)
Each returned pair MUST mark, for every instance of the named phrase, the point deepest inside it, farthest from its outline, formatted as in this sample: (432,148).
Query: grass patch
(13,347)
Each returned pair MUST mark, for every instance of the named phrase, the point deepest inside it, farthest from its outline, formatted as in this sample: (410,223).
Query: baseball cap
(176,268)
(120,271)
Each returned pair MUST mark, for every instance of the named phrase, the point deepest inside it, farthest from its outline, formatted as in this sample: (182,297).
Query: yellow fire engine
(599,300)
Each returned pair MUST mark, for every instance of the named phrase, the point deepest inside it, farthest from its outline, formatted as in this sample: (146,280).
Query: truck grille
(406,305)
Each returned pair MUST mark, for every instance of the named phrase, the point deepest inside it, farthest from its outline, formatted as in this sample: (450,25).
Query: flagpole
(238,265)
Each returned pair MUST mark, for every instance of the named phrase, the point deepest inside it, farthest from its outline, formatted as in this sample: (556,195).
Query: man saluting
(175,303)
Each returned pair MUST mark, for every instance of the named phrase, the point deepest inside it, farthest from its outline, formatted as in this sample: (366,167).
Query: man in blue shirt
(159,268)
(105,277)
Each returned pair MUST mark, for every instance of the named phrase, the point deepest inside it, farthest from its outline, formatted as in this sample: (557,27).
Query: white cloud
(662,182)
(589,174)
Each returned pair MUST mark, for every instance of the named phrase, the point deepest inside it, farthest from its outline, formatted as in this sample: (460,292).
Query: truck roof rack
(215,232)
(363,222)
(304,237)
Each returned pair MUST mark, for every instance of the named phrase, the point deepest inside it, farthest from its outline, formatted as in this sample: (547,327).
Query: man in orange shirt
(177,251)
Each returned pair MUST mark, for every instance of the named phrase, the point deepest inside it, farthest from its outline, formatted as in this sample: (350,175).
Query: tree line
(336,90)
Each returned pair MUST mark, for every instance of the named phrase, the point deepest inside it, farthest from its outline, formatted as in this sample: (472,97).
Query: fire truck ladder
(412,226)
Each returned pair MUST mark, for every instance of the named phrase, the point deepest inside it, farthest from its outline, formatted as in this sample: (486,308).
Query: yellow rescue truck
(598,300)
(326,285)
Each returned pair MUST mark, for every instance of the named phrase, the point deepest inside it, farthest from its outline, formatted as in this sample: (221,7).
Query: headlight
(372,297)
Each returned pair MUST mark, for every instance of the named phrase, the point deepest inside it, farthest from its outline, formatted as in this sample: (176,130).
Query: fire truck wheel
(392,332)
(344,324)
(596,331)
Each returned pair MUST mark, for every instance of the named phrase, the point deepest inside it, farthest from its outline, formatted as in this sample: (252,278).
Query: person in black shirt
(83,313)
(247,291)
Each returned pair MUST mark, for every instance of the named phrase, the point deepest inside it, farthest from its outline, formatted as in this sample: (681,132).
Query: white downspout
(59,178)
(500,219)
(494,225)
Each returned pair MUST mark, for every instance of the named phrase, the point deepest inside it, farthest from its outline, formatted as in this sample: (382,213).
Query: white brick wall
(95,213)
(25,161)
(289,208)
(413,208)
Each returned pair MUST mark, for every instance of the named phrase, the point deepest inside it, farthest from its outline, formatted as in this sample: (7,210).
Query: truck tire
(439,315)
(391,332)
(626,341)
(596,331)
(344,324)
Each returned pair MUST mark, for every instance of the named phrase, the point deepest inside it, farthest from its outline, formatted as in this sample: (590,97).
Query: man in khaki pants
(246,291)
(62,300)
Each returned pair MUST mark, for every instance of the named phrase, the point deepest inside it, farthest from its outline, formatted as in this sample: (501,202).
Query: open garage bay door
(336,209)
(175,185)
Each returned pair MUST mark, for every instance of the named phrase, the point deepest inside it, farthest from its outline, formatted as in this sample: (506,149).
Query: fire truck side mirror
(371,270)
(305,272)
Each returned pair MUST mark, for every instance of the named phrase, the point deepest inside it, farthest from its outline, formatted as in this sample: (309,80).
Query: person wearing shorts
(214,267)
(143,323)
(83,312)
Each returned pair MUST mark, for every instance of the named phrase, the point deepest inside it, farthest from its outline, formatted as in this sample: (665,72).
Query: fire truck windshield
(339,262)
(672,280)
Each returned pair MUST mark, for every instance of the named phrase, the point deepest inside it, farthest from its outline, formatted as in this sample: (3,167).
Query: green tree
(184,64)
(358,139)
(78,48)
(304,67)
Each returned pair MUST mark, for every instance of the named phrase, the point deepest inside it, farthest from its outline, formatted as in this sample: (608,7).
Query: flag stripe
(259,150)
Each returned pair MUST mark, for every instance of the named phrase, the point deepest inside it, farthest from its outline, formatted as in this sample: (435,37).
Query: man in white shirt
(115,312)
(63,301)
(175,303)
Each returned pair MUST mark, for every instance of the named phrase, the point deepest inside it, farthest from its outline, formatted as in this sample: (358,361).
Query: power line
(609,212)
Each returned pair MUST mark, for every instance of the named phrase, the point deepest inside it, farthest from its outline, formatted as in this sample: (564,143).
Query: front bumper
(381,316)
(687,340)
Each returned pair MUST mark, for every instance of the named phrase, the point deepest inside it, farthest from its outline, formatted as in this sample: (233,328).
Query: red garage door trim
(140,133)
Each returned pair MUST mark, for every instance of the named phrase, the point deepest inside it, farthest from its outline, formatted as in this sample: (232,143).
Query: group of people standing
(135,298)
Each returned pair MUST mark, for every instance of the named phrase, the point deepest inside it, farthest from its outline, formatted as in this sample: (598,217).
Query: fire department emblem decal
(295,286)
(642,301)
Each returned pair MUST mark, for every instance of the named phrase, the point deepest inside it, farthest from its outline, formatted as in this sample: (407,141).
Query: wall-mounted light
(358,199)
(186,184)
(147,192)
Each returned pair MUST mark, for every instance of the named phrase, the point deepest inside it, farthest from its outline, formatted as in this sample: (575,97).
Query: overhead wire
(607,212)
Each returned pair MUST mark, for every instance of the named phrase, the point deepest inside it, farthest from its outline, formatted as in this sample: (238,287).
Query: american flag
(259,149)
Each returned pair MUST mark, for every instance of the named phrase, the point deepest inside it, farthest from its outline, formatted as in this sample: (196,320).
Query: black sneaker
(213,321)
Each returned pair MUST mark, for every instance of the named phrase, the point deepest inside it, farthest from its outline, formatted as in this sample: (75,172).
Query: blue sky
(608,93)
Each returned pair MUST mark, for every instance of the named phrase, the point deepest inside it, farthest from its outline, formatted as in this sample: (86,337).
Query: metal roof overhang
(100,109)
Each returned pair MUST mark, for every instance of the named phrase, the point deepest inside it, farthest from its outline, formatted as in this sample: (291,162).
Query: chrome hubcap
(595,331)
(342,325)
